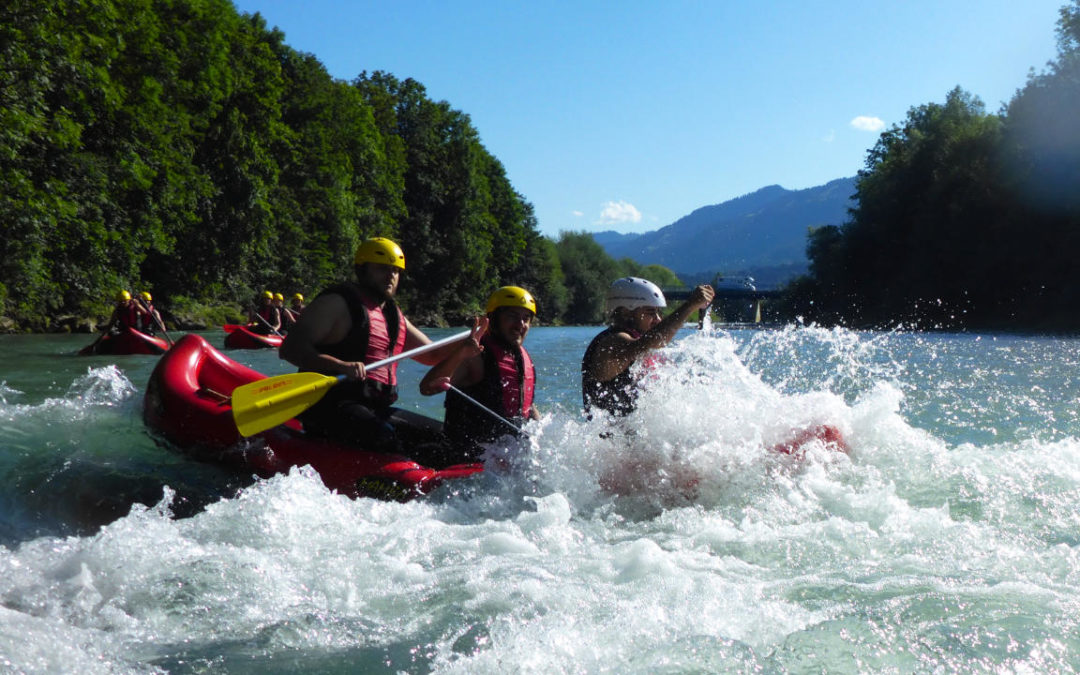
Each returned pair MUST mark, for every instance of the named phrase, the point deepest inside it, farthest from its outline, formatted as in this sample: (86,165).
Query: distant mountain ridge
(762,233)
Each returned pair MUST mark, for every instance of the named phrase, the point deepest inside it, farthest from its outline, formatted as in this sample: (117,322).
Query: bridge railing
(678,294)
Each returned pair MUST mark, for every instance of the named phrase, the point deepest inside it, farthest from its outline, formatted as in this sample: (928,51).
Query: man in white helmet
(637,327)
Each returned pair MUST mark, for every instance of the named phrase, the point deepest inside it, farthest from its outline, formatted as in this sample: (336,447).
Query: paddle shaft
(101,336)
(382,363)
(413,352)
(157,320)
(108,329)
(478,404)
(260,318)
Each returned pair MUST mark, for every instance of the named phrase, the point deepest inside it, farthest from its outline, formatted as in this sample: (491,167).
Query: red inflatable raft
(127,341)
(242,337)
(187,402)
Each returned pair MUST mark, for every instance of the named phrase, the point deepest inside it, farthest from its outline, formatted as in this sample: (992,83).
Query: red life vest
(269,313)
(517,384)
(129,317)
(378,341)
(354,347)
(507,389)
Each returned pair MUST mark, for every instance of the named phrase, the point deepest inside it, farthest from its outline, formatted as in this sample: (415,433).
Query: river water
(947,539)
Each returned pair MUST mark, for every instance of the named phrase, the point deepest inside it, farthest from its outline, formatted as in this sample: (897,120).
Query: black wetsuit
(618,395)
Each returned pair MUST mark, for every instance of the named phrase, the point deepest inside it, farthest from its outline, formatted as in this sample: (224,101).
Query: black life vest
(353,347)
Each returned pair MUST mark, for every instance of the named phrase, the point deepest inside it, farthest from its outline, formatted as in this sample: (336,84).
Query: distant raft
(127,341)
(188,404)
(242,337)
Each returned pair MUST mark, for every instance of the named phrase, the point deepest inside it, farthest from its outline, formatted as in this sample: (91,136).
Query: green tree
(927,192)
(181,147)
(464,228)
(588,271)
(964,219)
(540,271)
(658,274)
(1042,150)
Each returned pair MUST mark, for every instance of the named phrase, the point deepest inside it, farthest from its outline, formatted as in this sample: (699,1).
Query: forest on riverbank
(182,148)
(964,219)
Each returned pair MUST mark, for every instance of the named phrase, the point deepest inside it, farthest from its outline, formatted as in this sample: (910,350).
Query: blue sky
(629,115)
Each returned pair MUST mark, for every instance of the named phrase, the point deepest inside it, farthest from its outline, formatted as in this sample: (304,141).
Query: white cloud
(829,137)
(615,213)
(864,123)
(577,214)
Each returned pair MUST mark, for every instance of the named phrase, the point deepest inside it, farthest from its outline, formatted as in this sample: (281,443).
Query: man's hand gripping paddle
(264,404)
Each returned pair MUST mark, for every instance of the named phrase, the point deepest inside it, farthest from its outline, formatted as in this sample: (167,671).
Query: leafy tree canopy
(964,219)
(185,149)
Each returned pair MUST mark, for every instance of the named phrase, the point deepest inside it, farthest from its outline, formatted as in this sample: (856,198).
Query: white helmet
(632,292)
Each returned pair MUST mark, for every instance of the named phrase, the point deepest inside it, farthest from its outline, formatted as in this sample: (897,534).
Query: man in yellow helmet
(291,314)
(278,303)
(151,319)
(353,324)
(266,318)
(294,310)
(493,369)
(126,314)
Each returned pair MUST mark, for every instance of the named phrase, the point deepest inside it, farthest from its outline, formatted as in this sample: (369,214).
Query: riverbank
(183,316)
(187,316)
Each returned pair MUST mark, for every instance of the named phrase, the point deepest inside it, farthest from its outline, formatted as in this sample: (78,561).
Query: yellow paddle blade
(263,404)
(260,405)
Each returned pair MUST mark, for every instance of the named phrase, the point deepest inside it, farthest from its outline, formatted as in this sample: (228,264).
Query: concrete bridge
(736,300)
(752,294)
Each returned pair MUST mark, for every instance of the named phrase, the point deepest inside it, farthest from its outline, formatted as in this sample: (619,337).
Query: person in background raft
(348,326)
(291,314)
(126,314)
(636,329)
(494,370)
(279,304)
(296,305)
(270,316)
(151,319)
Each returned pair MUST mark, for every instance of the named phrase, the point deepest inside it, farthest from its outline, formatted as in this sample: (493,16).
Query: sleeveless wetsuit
(617,395)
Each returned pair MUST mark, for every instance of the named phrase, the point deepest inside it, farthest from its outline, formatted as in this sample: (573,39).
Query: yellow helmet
(511,296)
(379,250)
(268,295)
(279,296)
(146,296)
(297,296)
(123,296)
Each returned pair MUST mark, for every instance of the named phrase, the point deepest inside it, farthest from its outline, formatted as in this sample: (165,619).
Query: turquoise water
(945,540)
